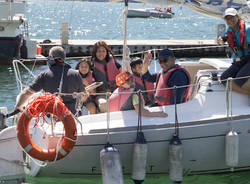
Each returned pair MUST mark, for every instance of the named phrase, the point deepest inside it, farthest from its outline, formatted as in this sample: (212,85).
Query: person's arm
(149,77)
(146,62)
(178,78)
(145,112)
(23,97)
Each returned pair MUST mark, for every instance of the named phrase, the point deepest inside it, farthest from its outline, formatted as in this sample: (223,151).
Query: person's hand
(85,82)
(85,95)
(220,41)
(147,58)
(20,108)
(163,114)
(146,62)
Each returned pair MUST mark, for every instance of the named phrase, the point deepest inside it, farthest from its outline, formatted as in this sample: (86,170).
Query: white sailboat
(213,127)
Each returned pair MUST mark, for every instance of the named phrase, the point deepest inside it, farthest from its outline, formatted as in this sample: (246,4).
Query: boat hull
(9,49)
(203,149)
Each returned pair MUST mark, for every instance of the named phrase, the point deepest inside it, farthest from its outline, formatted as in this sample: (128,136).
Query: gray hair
(57,52)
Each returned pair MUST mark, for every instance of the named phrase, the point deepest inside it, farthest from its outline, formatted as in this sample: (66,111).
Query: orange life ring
(54,106)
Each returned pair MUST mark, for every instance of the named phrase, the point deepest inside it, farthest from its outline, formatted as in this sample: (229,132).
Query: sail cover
(212,8)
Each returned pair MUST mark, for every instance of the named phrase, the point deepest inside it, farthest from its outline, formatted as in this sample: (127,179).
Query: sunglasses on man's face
(163,60)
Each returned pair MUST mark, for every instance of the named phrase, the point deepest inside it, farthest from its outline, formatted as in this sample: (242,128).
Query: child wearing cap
(146,87)
(124,97)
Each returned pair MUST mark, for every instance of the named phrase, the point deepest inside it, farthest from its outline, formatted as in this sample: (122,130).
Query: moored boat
(149,12)
(14,43)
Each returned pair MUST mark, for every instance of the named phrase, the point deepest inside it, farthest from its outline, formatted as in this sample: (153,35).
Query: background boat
(149,12)
(14,35)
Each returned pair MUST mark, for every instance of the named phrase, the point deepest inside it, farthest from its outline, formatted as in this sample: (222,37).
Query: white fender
(111,166)
(232,149)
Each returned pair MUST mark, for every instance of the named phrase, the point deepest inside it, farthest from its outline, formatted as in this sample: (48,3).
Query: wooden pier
(181,48)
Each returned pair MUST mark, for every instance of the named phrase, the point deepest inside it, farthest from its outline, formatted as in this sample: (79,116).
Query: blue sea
(103,21)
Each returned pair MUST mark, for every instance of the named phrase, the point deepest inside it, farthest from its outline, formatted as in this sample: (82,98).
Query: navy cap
(166,53)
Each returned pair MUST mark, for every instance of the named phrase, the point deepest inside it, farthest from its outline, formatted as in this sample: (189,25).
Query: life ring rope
(38,108)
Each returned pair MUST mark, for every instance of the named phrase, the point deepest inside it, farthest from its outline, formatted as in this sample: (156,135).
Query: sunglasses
(163,60)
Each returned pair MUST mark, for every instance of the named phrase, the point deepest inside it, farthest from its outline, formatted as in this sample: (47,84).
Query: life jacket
(106,73)
(232,41)
(90,78)
(163,97)
(144,86)
(121,100)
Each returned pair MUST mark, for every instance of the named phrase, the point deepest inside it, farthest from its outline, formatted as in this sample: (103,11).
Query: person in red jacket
(170,76)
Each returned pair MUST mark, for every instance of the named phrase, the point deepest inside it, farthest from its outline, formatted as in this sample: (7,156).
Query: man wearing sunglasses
(170,76)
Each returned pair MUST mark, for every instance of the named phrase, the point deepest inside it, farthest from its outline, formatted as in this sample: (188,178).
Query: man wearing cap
(125,98)
(146,87)
(238,38)
(59,77)
(170,76)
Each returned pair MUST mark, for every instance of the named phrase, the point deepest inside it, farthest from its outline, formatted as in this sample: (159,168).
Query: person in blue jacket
(170,76)
(238,38)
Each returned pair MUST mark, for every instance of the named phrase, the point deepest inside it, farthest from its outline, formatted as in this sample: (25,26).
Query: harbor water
(103,21)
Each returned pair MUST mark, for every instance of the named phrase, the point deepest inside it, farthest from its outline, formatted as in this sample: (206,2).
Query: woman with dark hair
(84,67)
(105,70)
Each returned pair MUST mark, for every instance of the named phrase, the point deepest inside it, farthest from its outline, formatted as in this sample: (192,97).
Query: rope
(176,125)
(139,126)
(18,75)
(108,116)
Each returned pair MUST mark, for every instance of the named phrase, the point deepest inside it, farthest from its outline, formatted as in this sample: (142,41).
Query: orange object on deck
(38,108)
(38,50)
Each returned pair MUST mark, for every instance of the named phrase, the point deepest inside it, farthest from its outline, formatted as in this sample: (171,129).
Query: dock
(181,48)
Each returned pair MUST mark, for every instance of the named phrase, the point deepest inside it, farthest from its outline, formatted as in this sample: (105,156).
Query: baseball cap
(135,61)
(122,77)
(165,53)
(230,11)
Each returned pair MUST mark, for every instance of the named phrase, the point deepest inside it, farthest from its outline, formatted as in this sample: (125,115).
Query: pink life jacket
(108,75)
(121,100)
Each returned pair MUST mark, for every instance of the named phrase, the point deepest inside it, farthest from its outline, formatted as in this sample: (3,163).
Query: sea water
(99,21)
